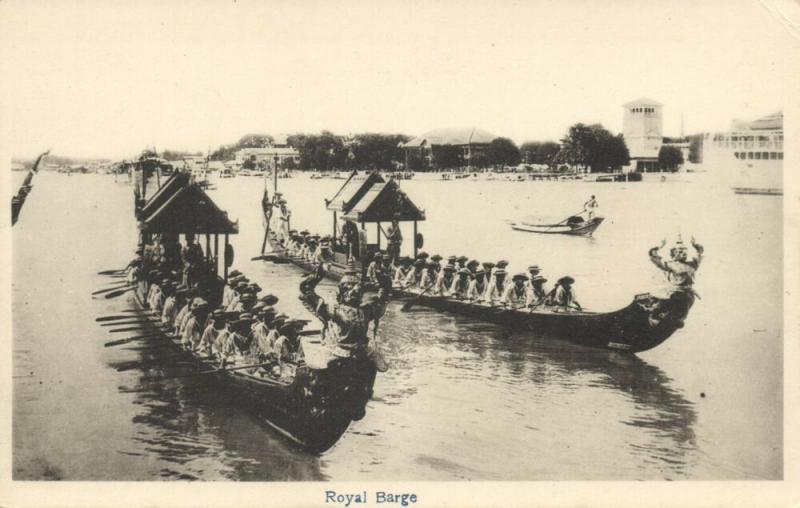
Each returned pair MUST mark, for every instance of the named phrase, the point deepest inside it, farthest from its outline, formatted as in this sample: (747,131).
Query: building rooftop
(452,136)
(642,101)
(769,122)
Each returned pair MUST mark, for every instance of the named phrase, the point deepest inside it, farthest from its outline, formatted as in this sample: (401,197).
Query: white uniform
(475,291)
(515,297)
(442,287)
(459,288)
(495,293)
(168,313)
(412,278)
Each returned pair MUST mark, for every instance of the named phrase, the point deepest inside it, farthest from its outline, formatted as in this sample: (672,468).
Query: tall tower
(642,128)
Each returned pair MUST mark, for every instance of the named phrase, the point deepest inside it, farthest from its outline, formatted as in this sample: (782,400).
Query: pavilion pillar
(415,240)
(333,243)
(216,254)
(225,260)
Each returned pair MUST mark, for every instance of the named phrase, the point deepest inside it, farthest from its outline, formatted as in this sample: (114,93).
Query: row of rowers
(472,280)
(245,328)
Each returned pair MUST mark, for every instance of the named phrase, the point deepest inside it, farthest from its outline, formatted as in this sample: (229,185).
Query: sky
(107,79)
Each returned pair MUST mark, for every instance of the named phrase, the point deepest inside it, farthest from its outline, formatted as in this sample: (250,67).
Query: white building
(642,128)
(750,154)
(268,155)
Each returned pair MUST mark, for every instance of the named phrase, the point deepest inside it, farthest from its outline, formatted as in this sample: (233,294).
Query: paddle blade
(109,272)
(130,339)
(134,322)
(106,290)
(115,294)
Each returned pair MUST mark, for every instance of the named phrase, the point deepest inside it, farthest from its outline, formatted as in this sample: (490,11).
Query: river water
(462,399)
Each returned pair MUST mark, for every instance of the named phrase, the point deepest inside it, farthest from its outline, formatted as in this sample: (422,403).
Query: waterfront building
(266,156)
(642,128)
(471,141)
(758,142)
(751,152)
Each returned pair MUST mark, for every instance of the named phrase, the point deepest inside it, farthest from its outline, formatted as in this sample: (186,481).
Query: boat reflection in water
(544,390)
(202,432)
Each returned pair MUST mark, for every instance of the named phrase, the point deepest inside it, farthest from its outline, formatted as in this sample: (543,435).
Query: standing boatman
(590,206)
(395,238)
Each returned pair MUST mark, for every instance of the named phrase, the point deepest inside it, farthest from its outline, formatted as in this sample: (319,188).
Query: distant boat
(760,191)
(575,225)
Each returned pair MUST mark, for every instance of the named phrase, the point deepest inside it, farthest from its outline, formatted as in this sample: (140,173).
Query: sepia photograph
(350,249)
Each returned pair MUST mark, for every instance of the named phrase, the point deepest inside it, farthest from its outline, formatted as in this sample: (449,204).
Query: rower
(488,268)
(288,342)
(451,261)
(222,342)
(423,256)
(187,317)
(500,264)
(477,286)
(461,282)
(402,271)
(533,271)
(227,291)
(414,276)
(461,262)
(428,278)
(515,295)
(444,281)
(195,326)
(238,290)
(152,277)
(312,243)
(436,259)
(537,293)
(183,309)
(497,287)
(215,326)
(563,296)
(374,269)
(168,310)
(260,330)
(325,250)
(473,265)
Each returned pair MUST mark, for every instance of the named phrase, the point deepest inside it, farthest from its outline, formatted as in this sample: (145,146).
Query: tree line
(589,146)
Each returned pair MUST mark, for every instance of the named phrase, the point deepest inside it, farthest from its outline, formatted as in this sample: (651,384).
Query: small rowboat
(644,324)
(569,227)
(313,407)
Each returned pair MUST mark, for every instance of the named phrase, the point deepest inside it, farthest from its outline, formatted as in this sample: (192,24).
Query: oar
(115,294)
(100,291)
(206,372)
(407,306)
(130,329)
(132,339)
(110,272)
(133,322)
(114,318)
(563,221)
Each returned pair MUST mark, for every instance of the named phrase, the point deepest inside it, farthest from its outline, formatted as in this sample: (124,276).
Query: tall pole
(275,174)
(415,240)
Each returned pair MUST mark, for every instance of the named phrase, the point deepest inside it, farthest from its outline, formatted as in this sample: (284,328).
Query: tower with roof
(642,128)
